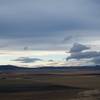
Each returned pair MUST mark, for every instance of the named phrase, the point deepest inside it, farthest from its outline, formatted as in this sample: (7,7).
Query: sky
(49,32)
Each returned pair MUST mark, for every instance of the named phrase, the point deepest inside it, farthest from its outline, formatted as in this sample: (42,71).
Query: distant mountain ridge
(46,69)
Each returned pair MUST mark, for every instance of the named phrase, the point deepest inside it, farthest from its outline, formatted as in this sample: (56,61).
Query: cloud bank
(27,60)
(78,53)
(78,48)
(43,23)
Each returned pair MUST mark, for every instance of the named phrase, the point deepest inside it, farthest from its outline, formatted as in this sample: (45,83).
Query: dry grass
(49,87)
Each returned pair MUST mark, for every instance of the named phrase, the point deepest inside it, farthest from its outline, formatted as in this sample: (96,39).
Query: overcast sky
(49,28)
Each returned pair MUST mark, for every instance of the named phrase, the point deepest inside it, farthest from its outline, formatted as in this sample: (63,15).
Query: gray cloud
(67,39)
(78,52)
(48,20)
(84,55)
(50,60)
(27,60)
(96,60)
(78,48)
(3,46)
(36,18)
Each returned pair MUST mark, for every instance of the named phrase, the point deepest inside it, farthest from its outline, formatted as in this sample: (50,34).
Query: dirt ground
(49,87)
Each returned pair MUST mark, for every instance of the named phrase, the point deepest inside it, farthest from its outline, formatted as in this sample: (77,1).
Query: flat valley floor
(49,87)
